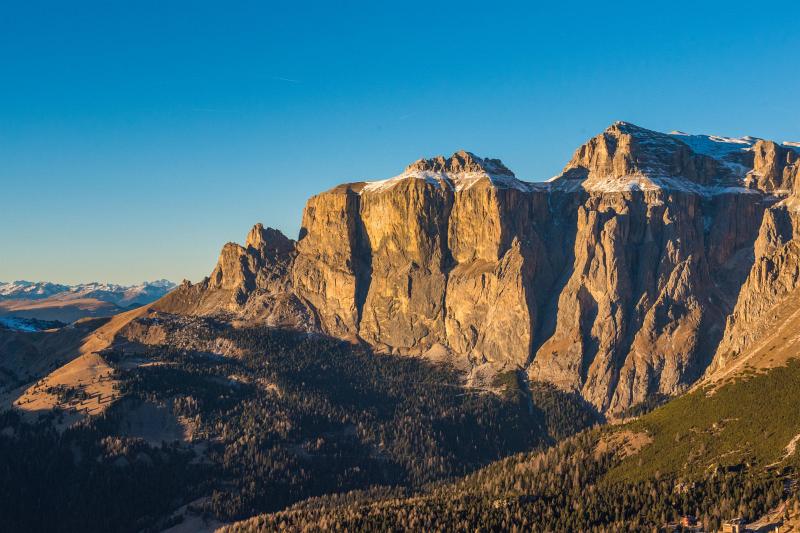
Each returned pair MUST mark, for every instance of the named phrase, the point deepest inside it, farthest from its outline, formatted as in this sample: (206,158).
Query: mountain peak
(627,127)
(629,157)
(260,237)
(461,162)
(460,171)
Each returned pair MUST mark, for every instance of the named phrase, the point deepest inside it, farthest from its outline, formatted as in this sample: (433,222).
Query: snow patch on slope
(456,181)
(715,146)
(17,324)
(793,145)
(653,174)
(610,184)
(644,183)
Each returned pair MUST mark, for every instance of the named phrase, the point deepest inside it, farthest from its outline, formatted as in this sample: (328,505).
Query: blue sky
(138,137)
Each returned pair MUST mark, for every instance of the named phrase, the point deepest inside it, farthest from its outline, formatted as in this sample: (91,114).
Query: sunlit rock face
(615,279)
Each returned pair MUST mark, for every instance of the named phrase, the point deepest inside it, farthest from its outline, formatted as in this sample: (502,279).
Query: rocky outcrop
(662,245)
(645,296)
(326,273)
(625,149)
(506,254)
(775,167)
(773,278)
(253,281)
(613,280)
(449,254)
(405,235)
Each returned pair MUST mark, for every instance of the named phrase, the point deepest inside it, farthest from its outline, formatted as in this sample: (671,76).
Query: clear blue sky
(138,137)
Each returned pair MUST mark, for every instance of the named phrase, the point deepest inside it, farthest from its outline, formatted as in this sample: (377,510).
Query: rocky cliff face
(771,286)
(448,254)
(774,277)
(775,167)
(660,238)
(615,279)
(250,282)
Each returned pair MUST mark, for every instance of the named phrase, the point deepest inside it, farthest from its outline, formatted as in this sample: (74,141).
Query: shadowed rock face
(773,280)
(646,295)
(250,282)
(614,280)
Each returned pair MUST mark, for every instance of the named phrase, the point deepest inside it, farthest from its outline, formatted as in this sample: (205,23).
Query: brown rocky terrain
(617,279)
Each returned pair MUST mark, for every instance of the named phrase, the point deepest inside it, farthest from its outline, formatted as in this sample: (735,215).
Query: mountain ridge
(67,303)
(613,280)
(484,316)
(24,289)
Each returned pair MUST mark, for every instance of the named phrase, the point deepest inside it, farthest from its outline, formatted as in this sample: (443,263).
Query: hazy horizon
(136,141)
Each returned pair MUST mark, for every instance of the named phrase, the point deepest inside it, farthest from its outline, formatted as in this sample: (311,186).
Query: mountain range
(613,349)
(54,301)
(643,265)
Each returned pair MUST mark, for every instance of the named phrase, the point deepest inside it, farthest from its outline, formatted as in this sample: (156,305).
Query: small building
(733,526)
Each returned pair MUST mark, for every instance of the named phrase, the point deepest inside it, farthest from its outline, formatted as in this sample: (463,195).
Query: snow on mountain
(460,171)
(714,145)
(626,157)
(28,325)
(121,295)
(793,145)
(456,180)
(652,163)
(645,183)
(30,290)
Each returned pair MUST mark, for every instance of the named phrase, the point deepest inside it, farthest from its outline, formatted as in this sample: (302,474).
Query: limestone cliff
(775,167)
(770,292)
(614,279)
(659,239)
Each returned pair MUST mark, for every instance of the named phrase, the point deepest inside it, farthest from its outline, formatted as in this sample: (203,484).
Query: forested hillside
(294,416)
(715,454)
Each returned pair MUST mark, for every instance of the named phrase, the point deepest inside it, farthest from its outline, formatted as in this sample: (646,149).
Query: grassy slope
(67,357)
(747,421)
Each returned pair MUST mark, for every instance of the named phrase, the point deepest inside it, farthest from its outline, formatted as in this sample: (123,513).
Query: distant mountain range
(54,301)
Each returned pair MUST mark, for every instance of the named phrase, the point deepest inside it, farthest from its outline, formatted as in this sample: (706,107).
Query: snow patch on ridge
(609,184)
(652,172)
(643,183)
(792,144)
(17,324)
(715,146)
(723,149)
(456,181)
